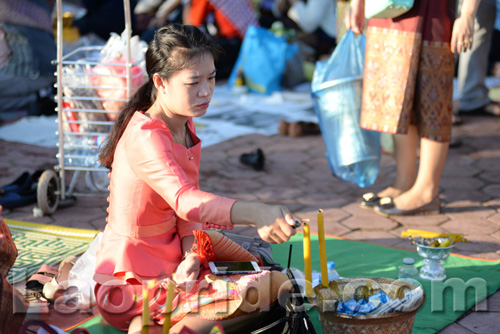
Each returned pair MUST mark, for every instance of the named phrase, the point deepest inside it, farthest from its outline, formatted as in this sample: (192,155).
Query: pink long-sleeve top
(154,202)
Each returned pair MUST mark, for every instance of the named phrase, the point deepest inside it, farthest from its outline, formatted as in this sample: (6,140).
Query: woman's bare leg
(432,159)
(405,153)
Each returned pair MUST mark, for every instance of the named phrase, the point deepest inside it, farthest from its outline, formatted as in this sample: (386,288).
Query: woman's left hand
(188,270)
(463,33)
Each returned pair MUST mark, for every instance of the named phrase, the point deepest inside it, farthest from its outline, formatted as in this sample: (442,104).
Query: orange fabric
(199,13)
(154,181)
(214,246)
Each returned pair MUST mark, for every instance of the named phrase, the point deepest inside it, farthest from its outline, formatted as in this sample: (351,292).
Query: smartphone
(234,267)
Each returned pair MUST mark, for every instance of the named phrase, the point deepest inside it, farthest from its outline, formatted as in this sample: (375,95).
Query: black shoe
(387,208)
(254,159)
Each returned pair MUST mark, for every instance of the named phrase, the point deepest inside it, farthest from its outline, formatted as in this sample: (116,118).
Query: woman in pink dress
(155,202)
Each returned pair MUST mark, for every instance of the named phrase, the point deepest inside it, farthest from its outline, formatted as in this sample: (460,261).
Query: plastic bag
(81,275)
(352,153)
(262,60)
(110,76)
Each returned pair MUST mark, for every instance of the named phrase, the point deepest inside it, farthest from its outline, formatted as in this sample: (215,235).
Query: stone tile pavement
(297,175)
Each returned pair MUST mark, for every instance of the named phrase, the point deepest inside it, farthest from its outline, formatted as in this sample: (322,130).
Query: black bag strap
(270,326)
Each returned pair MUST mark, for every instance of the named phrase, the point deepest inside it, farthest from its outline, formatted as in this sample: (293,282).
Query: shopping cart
(86,112)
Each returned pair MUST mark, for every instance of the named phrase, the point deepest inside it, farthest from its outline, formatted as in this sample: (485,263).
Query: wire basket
(345,289)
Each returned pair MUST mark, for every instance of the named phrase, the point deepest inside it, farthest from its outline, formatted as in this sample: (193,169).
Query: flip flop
(370,200)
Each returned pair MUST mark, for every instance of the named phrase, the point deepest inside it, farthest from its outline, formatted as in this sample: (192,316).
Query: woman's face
(188,92)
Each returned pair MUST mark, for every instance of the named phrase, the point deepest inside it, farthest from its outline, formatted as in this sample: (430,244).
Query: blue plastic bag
(262,60)
(352,153)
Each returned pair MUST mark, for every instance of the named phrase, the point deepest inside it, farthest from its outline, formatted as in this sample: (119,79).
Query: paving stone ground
(297,175)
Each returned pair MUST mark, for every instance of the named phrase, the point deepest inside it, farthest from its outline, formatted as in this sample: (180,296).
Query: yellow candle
(307,260)
(145,306)
(168,306)
(322,249)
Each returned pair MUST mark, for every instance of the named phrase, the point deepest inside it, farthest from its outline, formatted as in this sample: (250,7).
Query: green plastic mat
(445,301)
(39,244)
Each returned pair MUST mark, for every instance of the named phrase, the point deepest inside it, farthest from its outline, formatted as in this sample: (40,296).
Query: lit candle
(307,260)
(145,306)
(322,249)
(168,306)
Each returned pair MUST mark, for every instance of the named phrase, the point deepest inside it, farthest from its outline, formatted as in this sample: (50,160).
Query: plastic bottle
(332,272)
(408,269)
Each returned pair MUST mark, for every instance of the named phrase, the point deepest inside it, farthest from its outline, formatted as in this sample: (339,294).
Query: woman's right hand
(274,223)
(277,224)
(355,17)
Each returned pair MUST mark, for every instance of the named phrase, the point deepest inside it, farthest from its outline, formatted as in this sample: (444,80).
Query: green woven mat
(39,244)
(357,259)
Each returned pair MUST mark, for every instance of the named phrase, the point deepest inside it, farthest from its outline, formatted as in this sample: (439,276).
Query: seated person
(314,20)
(155,203)
(27,47)
(226,21)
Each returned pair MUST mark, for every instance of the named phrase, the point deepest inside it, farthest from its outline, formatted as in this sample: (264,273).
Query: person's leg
(405,153)
(426,188)
(473,64)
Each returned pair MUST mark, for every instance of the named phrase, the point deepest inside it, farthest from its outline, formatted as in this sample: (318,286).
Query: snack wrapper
(363,306)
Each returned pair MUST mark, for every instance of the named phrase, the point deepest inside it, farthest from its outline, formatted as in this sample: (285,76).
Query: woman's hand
(463,33)
(355,17)
(188,270)
(276,225)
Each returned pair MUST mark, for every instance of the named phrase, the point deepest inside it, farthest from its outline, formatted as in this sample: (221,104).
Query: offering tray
(326,299)
(433,261)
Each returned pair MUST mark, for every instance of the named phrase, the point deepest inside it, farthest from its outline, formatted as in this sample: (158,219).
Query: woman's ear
(158,82)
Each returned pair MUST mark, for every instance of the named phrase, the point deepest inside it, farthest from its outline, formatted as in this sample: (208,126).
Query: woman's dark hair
(173,48)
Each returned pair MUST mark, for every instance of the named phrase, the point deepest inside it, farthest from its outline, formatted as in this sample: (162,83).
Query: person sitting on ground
(155,204)
(226,21)
(27,47)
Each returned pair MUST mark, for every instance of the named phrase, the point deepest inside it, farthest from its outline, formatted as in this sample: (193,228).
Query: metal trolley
(83,122)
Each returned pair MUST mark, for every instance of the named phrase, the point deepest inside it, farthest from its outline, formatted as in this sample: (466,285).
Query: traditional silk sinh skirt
(408,76)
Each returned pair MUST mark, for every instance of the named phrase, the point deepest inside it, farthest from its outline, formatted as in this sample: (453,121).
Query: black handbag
(291,318)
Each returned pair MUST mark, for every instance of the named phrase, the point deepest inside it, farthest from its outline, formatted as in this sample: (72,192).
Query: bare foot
(411,200)
(493,108)
(390,192)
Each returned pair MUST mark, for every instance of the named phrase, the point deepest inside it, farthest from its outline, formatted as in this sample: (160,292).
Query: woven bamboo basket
(345,289)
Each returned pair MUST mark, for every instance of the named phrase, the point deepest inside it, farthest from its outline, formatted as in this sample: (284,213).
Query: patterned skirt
(408,75)
(211,297)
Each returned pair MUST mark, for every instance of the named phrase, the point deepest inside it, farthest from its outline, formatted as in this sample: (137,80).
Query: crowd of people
(153,153)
